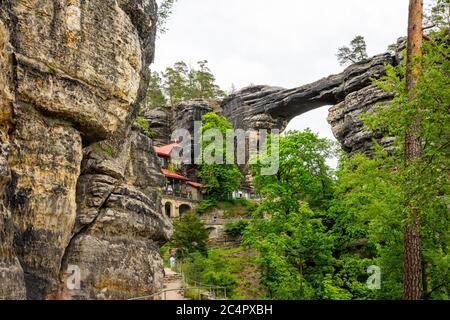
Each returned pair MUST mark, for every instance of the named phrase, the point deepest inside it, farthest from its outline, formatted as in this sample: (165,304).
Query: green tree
(164,13)
(190,235)
(302,176)
(437,17)
(219,179)
(367,212)
(176,83)
(295,249)
(357,51)
(202,82)
(155,93)
(295,253)
(181,82)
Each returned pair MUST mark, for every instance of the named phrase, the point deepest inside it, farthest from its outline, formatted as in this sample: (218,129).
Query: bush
(193,266)
(235,229)
(206,205)
(189,235)
(220,279)
(143,124)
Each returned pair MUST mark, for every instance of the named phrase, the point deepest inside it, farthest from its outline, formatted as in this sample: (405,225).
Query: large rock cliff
(79,185)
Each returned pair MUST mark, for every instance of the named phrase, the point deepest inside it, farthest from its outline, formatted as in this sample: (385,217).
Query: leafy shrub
(143,124)
(221,279)
(189,235)
(206,205)
(236,229)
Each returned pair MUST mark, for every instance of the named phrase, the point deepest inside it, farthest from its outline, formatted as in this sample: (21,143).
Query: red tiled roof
(172,175)
(195,184)
(165,151)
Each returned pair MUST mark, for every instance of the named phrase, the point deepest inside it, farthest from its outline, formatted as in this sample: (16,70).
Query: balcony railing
(181,195)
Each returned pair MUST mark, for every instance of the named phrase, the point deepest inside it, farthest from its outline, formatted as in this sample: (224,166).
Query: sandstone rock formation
(79,186)
(159,120)
(185,113)
(163,121)
(118,226)
(351,92)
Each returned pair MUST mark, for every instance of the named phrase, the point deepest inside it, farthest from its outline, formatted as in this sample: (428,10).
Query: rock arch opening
(315,120)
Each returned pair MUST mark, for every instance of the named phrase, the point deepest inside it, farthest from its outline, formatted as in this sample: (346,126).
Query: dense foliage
(233,269)
(321,233)
(219,178)
(189,235)
(295,250)
(181,82)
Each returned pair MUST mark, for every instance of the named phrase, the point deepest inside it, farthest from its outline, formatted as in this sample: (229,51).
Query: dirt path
(172,280)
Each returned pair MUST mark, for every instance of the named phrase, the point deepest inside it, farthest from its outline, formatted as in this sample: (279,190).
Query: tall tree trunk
(412,244)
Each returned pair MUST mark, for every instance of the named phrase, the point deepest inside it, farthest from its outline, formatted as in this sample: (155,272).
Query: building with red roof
(180,192)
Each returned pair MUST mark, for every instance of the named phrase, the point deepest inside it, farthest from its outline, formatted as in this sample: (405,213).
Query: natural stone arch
(260,105)
(350,92)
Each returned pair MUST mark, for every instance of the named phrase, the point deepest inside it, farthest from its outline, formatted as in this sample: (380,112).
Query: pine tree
(413,151)
(357,51)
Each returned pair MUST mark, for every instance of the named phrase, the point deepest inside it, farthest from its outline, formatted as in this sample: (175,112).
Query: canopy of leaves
(181,82)
(190,235)
(218,179)
(295,250)
(437,17)
(302,176)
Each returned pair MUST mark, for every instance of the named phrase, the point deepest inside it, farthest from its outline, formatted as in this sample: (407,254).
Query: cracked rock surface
(80,186)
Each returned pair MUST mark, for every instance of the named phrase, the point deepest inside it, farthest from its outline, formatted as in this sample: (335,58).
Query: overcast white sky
(284,43)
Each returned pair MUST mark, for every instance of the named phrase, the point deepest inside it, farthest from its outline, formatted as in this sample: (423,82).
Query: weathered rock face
(12,283)
(352,93)
(85,73)
(185,113)
(347,125)
(45,165)
(163,121)
(72,73)
(119,225)
(159,120)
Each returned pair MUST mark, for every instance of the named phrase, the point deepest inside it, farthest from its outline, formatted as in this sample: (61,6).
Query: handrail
(212,289)
(179,289)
